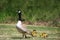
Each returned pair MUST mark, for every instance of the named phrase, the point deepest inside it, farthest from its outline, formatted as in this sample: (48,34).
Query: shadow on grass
(19,38)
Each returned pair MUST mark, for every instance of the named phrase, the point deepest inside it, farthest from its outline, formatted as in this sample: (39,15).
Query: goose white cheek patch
(19,11)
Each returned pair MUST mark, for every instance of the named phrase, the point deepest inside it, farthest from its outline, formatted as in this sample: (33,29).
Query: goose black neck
(19,16)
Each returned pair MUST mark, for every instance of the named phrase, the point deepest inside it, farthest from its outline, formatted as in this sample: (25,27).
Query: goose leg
(24,35)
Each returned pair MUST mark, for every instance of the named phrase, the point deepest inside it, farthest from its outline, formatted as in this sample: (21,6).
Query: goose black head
(19,15)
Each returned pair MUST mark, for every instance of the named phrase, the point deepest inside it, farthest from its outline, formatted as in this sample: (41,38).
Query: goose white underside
(20,26)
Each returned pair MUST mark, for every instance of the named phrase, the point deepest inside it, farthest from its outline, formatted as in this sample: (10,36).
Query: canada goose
(20,26)
(34,33)
(44,35)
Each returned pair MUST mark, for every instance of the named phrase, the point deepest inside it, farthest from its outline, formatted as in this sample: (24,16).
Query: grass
(32,10)
(9,32)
